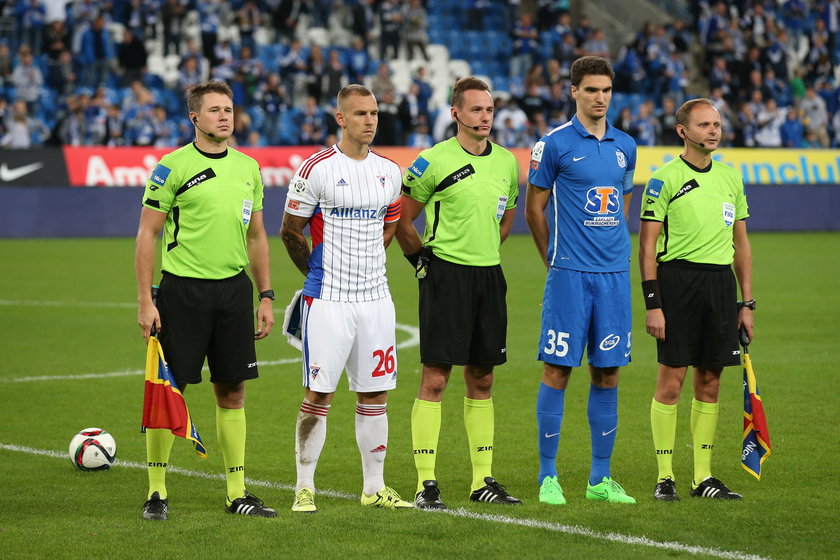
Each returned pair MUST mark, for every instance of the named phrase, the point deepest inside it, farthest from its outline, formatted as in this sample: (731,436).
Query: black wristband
(650,291)
(414,258)
(267,294)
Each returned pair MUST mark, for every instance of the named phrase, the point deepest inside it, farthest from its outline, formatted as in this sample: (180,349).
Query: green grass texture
(73,357)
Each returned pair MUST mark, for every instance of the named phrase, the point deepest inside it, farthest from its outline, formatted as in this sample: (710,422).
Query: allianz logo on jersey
(358,213)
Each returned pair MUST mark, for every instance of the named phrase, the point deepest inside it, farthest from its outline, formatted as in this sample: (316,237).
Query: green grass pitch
(67,309)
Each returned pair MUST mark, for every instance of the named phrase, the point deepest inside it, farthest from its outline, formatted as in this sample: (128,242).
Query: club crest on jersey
(247,207)
(160,174)
(381,180)
(728,214)
(619,157)
(419,167)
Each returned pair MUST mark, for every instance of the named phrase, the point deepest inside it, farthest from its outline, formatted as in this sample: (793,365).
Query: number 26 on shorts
(557,343)
(387,362)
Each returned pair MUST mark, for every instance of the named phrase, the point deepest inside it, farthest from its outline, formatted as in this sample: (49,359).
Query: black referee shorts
(463,314)
(700,304)
(208,318)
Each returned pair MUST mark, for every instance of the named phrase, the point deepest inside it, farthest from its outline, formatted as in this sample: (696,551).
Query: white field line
(459,512)
(413,340)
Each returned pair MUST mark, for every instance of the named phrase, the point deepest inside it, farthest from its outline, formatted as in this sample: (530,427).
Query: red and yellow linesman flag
(756,436)
(163,404)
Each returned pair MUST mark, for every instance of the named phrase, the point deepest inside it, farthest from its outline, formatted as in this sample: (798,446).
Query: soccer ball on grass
(92,449)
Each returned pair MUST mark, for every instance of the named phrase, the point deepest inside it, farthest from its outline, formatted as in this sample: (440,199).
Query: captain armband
(650,291)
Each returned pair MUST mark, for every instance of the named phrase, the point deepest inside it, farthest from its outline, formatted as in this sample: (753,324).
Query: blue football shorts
(586,310)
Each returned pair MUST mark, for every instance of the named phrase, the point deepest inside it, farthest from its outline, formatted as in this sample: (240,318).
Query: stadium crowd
(78,72)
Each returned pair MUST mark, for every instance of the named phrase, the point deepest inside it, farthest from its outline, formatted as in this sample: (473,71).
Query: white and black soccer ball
(93,449)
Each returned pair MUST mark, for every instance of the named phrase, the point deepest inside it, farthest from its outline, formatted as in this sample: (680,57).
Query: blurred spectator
(596,45)
(745,126)
(533,102)
(293,70)
(416,29)
(61,74)
(382,82)
(114,126)
(424,89)
(141,18)
(667,118)
(132,57)
(336,76)
(475,14)
(56,40)
(248,19)
(172,15)
(285,17)
(316,71)
(524,45)
(420,136)
(272,98)
(6,64)
(815,116)
(209,20)
(645,126)
(770,121)
(358,60)
(795,14)
(363,21)
(676,78)
(27,79)
(190,74)
(311,123)
(22,130)
(32,16)
(410,110)
(508,134)
(792,131)
(625,121)
(255,140)
(388,131)
(97,54)
(390,26)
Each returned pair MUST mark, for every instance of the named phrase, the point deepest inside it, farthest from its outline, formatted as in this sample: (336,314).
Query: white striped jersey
(348,203)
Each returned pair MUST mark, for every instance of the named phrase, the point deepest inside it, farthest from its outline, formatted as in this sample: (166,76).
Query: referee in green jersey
(208,199)
(468,187)
(693,230)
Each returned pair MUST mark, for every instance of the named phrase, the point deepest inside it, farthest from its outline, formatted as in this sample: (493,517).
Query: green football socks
(230,430)
(704,419)
(425,430)
(663,424)
(479,422)
(158,446)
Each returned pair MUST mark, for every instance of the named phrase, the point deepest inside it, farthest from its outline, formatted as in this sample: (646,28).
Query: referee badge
(247,205)
(728,214)
(619,156)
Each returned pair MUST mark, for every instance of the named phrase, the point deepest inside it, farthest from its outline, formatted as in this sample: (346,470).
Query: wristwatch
(267,294)
(749,303)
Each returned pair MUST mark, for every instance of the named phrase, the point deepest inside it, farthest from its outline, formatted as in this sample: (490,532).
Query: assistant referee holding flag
(208,199)
(692,232)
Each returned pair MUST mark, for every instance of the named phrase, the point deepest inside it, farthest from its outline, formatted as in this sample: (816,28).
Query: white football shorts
(356,336)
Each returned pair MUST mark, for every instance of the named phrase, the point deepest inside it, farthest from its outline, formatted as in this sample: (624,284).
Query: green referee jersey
(697,208)
(465,197)
(208,203)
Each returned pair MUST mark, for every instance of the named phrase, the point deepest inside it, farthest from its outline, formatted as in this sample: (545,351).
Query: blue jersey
(588,179)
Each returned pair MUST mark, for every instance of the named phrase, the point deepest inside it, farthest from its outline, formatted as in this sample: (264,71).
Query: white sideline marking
(459,512)
(413,340)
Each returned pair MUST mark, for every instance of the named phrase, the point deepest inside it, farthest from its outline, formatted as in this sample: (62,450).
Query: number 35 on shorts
(386,362)
(556,343)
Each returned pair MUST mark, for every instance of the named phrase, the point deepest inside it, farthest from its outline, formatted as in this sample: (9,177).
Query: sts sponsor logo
(654,188)
(602,200)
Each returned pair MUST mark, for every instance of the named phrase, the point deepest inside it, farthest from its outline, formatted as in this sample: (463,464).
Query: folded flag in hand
(756,436)
(163,404)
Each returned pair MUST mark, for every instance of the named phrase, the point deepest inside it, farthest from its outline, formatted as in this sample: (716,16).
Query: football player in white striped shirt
(350,198)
